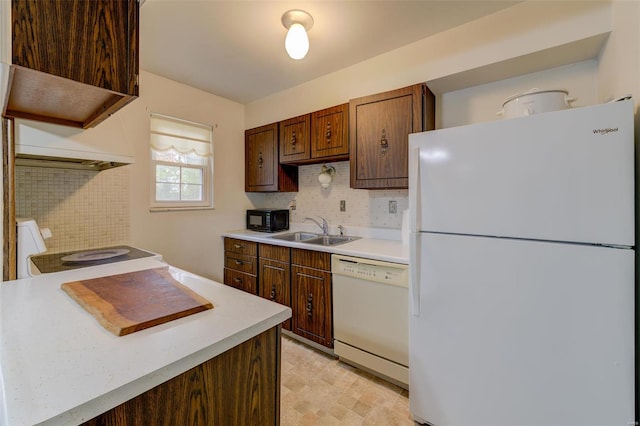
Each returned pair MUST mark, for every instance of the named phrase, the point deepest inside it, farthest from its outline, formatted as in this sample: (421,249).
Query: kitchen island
(59,366)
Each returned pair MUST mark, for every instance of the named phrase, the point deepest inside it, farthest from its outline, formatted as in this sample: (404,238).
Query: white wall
(513,33)
(619,62)
(514,37)
(189,239)
(481,103)
(192,239)
(473,105)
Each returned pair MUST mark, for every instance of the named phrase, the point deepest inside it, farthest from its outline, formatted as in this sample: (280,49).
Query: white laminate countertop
(59,366)
(370,248)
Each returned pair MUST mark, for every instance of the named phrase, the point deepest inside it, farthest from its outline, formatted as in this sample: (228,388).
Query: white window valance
(184,137)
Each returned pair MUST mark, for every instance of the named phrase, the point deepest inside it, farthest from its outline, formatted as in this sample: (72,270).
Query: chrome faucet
(324,226)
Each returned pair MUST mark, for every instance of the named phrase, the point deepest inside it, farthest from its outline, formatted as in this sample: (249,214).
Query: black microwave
(267,220)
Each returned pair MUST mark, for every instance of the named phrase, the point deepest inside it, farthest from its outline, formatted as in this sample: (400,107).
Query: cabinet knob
(384,143)
(237,246)
(237,280)
(310,305)
(239,262)
(260,160)
(328,133)
(272,296)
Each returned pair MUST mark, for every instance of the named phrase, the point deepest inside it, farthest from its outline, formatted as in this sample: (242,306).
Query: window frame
(207,175)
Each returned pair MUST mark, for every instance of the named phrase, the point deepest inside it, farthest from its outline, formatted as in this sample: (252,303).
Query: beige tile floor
(317,389)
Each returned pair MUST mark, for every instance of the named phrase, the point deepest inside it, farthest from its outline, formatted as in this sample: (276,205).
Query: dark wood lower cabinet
(274,273)
(239,387)
(311,291)
(240,264)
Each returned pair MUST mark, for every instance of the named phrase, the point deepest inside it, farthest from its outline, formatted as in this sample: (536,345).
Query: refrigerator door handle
(415,202)
(414,274)
(415,208)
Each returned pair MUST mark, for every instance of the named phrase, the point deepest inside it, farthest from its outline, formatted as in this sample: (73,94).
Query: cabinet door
(330,133)
(263,173)
(312,304)
(294,139)
(261,159)
(241,280)
(379,128)
(92,42)
(275,283)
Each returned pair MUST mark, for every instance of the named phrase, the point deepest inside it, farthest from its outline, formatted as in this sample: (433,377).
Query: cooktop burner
(54,262)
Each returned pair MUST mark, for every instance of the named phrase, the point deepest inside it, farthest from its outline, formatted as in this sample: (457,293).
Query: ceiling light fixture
(298,22)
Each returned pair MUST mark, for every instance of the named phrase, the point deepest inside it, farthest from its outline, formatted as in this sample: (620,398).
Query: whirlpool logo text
(604,131)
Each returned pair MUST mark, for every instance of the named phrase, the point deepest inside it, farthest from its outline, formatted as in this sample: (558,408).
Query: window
(181,164)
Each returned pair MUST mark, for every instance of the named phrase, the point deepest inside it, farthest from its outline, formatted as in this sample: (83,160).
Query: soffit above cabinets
(565,54)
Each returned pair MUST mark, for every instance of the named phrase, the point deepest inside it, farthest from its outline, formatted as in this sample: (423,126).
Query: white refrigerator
(522,271)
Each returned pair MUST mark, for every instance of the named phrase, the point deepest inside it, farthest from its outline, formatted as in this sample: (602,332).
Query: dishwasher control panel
(370,270)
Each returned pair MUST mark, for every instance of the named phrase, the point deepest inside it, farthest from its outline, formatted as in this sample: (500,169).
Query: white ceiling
(235,49)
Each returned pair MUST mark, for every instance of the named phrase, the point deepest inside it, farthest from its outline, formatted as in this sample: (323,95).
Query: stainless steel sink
(331,240)
(296,236)
(312,238)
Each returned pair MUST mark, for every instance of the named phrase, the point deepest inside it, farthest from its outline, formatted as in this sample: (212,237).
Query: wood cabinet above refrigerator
(73,62)
(379,133)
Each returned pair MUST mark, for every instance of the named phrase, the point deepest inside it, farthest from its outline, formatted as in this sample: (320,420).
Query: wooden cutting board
(129,302)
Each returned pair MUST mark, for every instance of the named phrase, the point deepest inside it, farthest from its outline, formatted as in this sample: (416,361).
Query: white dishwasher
(370,315)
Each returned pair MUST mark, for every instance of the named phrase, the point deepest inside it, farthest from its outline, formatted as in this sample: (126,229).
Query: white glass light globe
(325,179)
(296,43)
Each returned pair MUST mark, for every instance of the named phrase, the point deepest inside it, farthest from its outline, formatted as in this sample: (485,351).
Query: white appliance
(30,242)
(31,262)
(370,315)
(39,144)
(522,271)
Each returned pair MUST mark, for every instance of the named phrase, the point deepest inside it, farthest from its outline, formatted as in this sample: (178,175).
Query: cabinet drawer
(241,281)
(234,245)
(268,251)
(241,263)
(311,259)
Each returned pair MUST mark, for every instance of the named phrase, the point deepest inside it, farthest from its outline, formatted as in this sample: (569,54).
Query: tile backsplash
(83,209)
(364,208)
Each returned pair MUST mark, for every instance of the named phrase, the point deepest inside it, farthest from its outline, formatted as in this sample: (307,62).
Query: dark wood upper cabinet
(263,173)
(379,133)
(330,133)
(321,136)
(74,62)
(295,135)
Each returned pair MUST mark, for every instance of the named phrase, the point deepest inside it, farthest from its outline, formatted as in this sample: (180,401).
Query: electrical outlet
(292,204)
(393,207)
(343,206)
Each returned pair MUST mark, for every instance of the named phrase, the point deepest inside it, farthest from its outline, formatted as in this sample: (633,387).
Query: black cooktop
(48,263)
